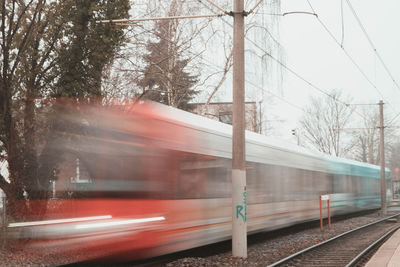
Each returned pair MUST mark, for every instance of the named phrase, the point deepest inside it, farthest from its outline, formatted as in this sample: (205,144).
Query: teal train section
(354,168)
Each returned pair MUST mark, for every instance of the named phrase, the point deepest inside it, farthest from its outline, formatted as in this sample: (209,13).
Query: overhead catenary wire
(280,98)
(394,118)
(350,57)
(255,44)
(291,70)
(299,12)
(315,87)
(371,43)
(313,10)
(342,15)
(257,86)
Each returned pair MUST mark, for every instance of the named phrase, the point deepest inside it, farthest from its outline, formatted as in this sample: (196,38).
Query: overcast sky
(312,53)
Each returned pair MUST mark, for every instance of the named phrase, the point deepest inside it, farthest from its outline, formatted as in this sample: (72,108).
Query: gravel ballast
(273,249)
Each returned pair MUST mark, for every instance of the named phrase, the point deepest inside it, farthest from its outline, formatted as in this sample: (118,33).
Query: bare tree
(366,139)
(29,37)
(227,66)
(323,123)
(262,34)
(394,159)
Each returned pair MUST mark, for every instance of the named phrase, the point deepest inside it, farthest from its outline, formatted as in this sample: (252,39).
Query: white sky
(313,54)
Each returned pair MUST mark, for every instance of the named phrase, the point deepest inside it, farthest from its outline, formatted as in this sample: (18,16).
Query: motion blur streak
(114,223)
(21,224)
(143,180)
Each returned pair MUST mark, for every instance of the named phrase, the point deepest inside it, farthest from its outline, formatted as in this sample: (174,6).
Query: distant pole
(382,157)
(239,195)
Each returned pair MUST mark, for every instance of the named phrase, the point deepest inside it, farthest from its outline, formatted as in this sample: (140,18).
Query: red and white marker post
(325,197)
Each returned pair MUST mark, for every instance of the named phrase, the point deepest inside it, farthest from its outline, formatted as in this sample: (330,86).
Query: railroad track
(346,249)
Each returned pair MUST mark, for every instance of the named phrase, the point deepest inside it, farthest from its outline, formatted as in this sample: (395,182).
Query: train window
(338,183)
(254,182)
(329,181)
(160,168)
(218,183)
(202,176)
(277,184)
(350,184)
(191,184)
(289,184)
(266,185)
(318,183)
(366,186)
(308,185)
(299,185)
(357,184)
(260,183)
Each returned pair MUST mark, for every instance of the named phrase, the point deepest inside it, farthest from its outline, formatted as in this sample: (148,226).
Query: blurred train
(146,179)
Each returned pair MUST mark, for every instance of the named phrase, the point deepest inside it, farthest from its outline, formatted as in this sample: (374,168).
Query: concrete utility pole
(239,195)
(382,157)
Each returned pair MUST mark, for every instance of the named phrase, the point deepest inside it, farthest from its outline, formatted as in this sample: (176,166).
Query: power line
(394,118)
(283,65)
(314,86)
(212,64)
(350,57)
(311,6)
(371,43)
(280,98)
(292,71)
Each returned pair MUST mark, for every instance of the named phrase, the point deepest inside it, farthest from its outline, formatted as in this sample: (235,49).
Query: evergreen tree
(91,46)
(165,77)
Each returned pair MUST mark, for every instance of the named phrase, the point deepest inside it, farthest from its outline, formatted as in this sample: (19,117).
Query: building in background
(222,111)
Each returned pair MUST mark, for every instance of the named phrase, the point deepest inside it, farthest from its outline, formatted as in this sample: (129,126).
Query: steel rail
(329,240)
(361,254)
